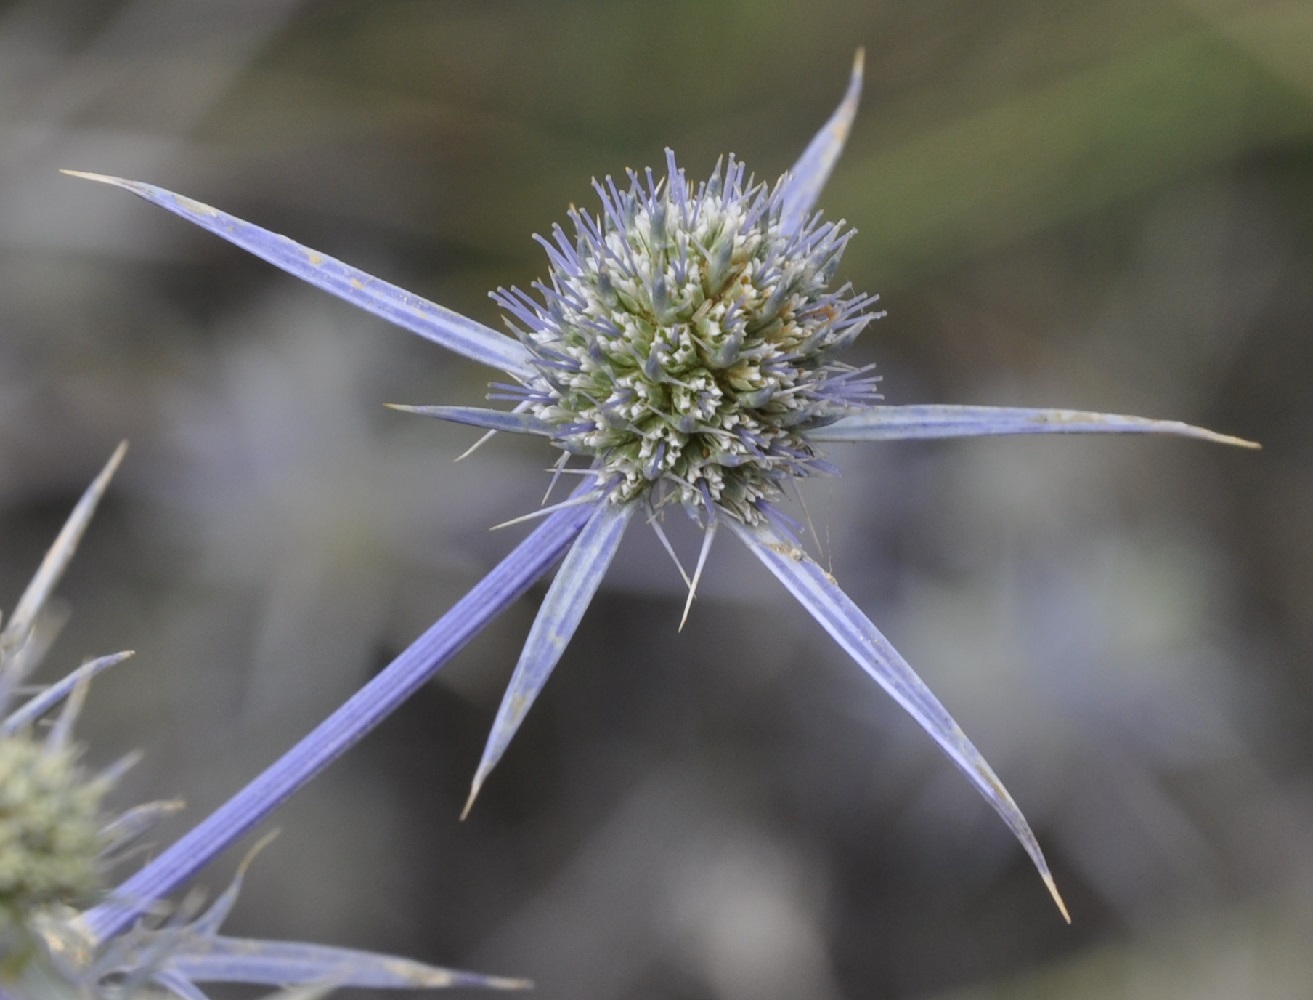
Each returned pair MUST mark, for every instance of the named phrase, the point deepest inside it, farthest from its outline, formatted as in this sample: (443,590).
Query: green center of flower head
(684,341)
(50,826)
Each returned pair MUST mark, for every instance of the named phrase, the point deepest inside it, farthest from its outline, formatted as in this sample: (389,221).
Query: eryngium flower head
(685,340)
(50,826)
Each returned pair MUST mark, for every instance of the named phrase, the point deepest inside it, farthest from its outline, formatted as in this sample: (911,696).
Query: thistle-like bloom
(683,348)
(58,845)
(685,345)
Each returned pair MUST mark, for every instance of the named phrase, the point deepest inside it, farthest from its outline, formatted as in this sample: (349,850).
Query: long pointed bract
(478,416)
(887,423)
(848,626)
(341,730)
(563,607)
(42,702)
(812,169)
(396,305)
(235,960)
(56,560)
(185,951)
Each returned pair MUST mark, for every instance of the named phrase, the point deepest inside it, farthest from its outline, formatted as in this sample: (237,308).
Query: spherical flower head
(685,340)
(50,826)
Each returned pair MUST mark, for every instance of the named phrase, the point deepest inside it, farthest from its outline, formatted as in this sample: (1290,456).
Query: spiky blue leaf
(46,699)
(809,174)
(885,423)
(478,416)
(134,822)
(220,959)
(838,615)
(558,617)
(396,305)
(184,951)
(61,551)
(330,739)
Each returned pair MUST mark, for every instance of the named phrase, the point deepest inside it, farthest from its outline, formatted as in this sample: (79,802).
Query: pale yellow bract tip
(1057,897)
(101,178)
(474,794)
(1239,442)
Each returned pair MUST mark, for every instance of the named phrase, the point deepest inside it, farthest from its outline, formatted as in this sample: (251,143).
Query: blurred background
(1102,205)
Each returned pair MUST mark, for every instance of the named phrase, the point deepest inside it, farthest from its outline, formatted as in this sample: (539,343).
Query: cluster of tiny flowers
(50,826)
(685,340)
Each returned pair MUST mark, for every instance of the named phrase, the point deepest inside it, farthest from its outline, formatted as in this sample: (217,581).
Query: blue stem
(358,715)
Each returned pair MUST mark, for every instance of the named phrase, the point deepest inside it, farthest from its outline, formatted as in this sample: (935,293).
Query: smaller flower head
(685,340)
(57,848)
(50,826)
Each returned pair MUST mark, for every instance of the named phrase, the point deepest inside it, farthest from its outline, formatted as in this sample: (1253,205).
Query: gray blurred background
(1105,205)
